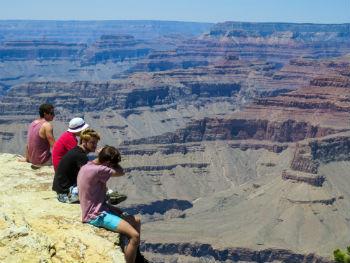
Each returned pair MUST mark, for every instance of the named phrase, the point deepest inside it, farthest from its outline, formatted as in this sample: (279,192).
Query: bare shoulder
(47,125)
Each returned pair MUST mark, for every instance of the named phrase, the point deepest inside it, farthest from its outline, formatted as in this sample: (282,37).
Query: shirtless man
(40,137)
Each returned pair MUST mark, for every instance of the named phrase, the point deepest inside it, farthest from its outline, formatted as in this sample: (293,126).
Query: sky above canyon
(300,11)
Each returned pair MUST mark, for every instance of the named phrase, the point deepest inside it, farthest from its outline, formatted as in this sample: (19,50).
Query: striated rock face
(315,180)
(281,31)
(303,160)
(99,96)
(331,149)
(238,129)
(115,48)
(331,81)
(39,50)
(308,156)
(35,227)
(208,252)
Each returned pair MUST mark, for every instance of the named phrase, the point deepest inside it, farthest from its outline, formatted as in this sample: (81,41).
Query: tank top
(38,148)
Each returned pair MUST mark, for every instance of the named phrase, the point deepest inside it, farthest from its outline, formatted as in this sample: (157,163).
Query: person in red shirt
(67,141)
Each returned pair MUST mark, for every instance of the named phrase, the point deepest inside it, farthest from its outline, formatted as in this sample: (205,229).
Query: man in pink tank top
(40,137)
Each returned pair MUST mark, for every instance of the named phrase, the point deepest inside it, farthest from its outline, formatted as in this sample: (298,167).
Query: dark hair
(45,108)
(109,154)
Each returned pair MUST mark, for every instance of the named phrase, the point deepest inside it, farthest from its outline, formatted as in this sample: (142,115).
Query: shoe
(115,198)
(73,199)
(35,167)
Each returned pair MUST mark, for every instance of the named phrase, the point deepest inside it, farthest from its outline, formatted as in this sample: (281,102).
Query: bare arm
(118,171)
(49,133)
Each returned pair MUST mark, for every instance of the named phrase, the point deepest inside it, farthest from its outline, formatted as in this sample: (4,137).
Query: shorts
(106,220)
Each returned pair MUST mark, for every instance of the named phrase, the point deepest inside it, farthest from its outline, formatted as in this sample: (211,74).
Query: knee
(135,239)
(138,220)
(135,221)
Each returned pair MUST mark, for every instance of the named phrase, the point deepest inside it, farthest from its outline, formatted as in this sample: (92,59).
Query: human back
(92,180)
(40,136)
(38,147)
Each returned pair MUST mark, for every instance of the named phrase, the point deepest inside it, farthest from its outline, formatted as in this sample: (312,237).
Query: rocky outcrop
(206,251)
(115,48)
(308,156)
(336,148)
(315,180)
(287,31)
(239,129)
(167,167)
(320,105)
(23,99)
(335,81)
(40,50)
(169,60)
(245,145)
(303,160)
(35,227)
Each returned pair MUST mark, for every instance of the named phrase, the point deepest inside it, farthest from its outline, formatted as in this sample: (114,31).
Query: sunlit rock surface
(35,227)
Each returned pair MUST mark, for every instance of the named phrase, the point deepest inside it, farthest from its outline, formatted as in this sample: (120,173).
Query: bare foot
(21,159)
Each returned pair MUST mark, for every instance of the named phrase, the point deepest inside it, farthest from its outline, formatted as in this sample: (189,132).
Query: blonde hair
(87,134)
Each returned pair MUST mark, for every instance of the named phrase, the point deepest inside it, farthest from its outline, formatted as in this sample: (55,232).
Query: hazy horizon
(201,11)
(170,21)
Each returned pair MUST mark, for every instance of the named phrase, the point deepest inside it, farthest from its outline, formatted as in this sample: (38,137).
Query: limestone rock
(35,227)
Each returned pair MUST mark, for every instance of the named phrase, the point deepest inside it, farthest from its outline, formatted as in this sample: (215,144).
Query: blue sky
(301,11)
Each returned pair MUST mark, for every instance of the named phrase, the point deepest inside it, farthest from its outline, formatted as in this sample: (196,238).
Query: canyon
(235,136)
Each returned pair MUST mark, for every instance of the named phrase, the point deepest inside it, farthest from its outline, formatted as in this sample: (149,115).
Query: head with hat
(76,125)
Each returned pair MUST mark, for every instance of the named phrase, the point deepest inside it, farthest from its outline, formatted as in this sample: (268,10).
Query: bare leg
(134,240)
(135,221)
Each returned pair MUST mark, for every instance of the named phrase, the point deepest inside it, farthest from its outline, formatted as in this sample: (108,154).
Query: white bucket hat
(77,125)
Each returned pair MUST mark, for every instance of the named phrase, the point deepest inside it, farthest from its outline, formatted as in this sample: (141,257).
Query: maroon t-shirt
(92,179)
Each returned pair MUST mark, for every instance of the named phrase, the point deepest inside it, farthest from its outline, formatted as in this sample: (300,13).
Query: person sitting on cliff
(67,141)
(65,179)
(92,179)
(40,138)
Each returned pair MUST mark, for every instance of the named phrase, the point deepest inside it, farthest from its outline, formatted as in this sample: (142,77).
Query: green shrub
(342,256)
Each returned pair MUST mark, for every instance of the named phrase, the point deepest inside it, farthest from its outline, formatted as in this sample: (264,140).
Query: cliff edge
(35,227)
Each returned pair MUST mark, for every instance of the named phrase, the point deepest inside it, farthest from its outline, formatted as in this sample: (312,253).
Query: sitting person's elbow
(119,171)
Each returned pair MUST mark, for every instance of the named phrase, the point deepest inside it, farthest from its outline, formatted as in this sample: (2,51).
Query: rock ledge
(35,227)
